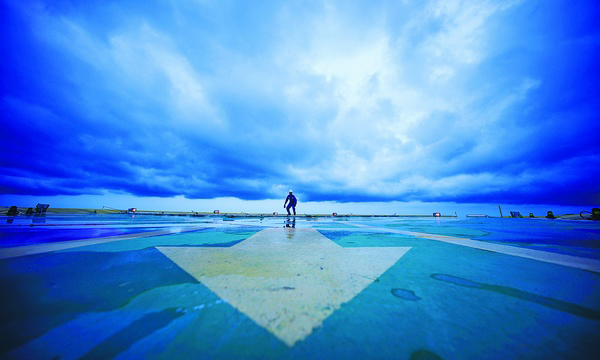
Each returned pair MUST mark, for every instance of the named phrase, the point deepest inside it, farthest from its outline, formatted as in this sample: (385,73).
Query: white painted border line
(17,251)
(549,257)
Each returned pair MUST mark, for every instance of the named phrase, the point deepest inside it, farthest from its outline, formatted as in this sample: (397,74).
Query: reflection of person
(290,223)
(292,203)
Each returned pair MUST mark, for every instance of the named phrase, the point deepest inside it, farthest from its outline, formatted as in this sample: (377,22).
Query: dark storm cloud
(432,101)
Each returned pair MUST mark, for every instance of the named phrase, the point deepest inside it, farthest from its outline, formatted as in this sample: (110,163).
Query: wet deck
(117,286)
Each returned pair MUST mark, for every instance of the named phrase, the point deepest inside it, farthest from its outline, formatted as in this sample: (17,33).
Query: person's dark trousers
(293,208)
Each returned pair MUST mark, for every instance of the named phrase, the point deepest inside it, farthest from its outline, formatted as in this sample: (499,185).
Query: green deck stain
(523,295)
(424,355)
(136,331)
(405,294)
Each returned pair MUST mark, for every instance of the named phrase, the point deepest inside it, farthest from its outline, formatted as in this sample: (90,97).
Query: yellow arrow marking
(286,280)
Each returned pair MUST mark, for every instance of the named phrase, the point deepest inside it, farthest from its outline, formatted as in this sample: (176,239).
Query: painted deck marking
(17,251)
(286,280)
(549,257)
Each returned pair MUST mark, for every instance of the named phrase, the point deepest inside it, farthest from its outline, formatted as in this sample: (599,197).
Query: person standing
(292,203)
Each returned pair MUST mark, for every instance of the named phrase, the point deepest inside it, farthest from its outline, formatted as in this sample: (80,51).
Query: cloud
(434,101)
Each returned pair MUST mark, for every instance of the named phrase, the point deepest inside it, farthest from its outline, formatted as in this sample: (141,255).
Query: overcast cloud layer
(466,101)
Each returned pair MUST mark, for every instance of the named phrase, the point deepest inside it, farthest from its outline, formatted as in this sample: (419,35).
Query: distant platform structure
(41,208)
(478,216)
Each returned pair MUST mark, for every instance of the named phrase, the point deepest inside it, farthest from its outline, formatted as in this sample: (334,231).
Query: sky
(176,103)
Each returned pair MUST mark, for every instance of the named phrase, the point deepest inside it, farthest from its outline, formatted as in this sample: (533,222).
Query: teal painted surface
(578,238)
(195,238)
(334,225)
(42,292)
(450,319)
(126,299)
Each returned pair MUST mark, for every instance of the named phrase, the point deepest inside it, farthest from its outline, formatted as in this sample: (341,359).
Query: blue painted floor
(98,287)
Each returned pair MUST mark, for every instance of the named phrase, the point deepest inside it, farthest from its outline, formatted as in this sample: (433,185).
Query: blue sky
(342,101)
